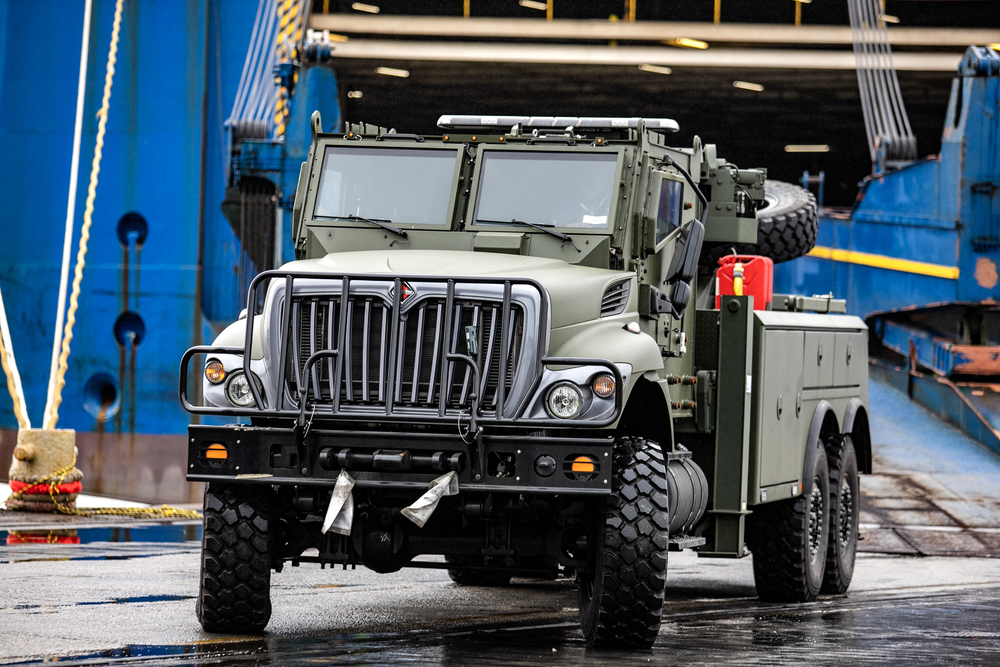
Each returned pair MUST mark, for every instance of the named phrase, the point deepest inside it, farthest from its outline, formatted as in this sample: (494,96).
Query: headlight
(238,390)
(215,372)
(565,401)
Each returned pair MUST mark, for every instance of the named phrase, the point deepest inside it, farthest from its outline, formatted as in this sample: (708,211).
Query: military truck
(499,353)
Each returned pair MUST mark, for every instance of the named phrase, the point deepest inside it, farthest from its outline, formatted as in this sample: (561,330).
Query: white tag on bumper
(340,513)
(420,511)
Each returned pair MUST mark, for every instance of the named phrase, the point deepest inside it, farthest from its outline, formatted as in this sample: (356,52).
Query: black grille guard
(393,412)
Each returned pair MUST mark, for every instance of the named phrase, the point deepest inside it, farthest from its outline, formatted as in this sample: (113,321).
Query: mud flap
(421,510)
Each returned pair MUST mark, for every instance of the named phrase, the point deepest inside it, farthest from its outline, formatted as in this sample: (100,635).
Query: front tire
(845,508)
(789,539)
(621,595)
(235,591)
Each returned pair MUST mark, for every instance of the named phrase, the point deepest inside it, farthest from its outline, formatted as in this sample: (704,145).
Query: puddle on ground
(157,534)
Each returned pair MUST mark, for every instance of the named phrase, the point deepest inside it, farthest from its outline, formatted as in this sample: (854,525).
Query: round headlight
(565,401)
(238,390)
(214,371)
(604,386)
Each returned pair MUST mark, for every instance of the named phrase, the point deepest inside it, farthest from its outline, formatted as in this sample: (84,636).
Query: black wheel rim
(846,515)
(815,520)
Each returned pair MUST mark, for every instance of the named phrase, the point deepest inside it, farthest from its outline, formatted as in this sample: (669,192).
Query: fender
(235,335)
(812,442)
(609,340)
(859,433)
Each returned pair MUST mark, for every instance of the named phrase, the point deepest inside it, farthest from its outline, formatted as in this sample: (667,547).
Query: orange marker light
(583,464)
(216,451)
(214,371)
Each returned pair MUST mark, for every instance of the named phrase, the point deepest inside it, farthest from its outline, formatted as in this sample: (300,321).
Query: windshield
(558,189)
(400,185)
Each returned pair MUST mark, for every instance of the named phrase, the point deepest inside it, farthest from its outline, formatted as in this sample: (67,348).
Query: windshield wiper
(378,222)
(565,238)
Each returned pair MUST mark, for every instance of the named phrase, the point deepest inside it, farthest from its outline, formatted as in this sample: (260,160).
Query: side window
(668,214)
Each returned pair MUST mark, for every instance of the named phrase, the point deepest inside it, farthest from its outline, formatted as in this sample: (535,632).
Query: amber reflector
(218,451)
(583,464)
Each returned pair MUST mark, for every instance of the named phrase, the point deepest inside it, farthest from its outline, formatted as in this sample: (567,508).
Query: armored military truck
(503,351)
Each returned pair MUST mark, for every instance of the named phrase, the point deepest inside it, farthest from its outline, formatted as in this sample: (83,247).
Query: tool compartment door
(778,429)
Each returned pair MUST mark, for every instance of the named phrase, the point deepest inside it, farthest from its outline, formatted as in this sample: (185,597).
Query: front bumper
(394,460)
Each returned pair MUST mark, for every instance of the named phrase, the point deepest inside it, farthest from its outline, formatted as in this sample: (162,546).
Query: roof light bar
(470,122)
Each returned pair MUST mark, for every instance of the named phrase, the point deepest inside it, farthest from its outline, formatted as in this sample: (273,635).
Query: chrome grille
(421,375)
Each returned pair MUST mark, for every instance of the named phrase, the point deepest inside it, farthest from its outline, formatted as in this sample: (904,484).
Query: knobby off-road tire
(621,599)
(786,227)
(476,577)
(845,507)
(235,591)
(789,540)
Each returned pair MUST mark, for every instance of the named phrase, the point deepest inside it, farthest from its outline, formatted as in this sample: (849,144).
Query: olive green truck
(499,352)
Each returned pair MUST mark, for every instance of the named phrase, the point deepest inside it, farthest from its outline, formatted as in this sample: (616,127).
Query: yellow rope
(18,410)
(74,300)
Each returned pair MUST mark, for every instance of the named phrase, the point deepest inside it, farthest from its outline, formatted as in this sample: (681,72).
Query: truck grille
(416,372)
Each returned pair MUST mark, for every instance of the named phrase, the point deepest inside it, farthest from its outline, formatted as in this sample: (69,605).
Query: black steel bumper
(393,460)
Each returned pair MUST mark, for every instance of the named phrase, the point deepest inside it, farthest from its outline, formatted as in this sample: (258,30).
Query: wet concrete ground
(119,598)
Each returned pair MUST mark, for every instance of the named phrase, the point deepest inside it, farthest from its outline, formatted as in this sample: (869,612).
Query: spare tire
(786,226)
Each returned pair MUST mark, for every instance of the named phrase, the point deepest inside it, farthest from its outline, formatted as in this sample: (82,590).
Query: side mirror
(663,209)
(684,262)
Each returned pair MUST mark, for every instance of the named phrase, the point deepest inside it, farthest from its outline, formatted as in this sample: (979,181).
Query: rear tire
(621,595)
(789,540)
(235,591)
(845,508)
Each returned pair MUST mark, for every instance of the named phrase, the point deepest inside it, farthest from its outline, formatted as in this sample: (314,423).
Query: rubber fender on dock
(687,491)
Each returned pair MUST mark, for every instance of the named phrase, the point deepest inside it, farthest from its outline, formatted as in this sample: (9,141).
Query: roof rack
(470,122)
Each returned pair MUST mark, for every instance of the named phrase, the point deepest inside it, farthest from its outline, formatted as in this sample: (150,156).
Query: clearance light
(583,464)
(362,7)
(655,69)
(604,386)
(746,85)
(216,451)
(807,148)
(214,371)
(687,43)
(392,71)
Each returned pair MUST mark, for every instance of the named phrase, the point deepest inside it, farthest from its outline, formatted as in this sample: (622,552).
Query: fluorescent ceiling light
(337,38)
(887,18)
(533,4)
(656,69)
(392,71)
(746,85)
(807,148)
(355,94)
(687,42)
(804,2)
(362,7)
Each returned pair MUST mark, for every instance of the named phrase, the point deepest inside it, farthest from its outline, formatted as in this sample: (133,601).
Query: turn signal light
(604,386)
(214,371)
(216,451)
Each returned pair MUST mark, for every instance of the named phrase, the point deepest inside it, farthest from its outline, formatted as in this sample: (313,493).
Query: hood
(574,291)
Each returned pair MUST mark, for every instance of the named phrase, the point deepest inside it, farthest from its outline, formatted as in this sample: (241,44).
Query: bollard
(43,475)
